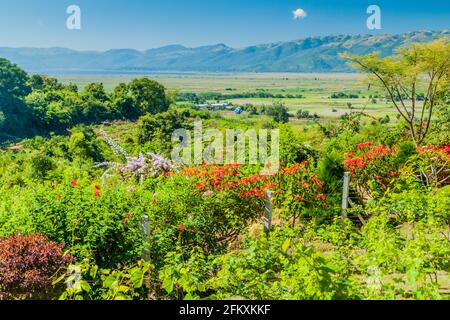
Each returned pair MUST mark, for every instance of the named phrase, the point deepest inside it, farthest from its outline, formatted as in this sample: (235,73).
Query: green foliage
(95,221)
(292,149)
(87,281)
(42,165)
(83,144)
(42,105)
(148,95)
(281,267)
(184,276)
(279,112)
(155,131)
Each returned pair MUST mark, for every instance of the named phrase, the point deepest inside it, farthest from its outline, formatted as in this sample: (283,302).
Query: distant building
(238,110)
(213,106)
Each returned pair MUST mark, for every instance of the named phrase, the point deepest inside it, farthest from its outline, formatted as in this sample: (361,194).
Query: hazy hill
(316,54)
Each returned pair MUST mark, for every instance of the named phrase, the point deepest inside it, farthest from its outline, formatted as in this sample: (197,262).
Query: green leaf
(85,286)
(110,282)
(93,272)
(61,278)
(168,285)
(286,245)
(137,278)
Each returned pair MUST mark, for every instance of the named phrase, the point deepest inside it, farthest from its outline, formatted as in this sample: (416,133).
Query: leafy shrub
(184,276)
(281,267)
(27,265)
(415,205)
(41,165)
(94,220)
(279,112)
(86,281)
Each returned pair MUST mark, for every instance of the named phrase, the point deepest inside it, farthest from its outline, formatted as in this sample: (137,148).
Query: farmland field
(316,89)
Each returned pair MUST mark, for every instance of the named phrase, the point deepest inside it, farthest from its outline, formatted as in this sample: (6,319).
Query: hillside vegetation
(92,207)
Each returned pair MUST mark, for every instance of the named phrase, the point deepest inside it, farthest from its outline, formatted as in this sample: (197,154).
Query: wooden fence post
(268,212)
(145,230)
(345,194)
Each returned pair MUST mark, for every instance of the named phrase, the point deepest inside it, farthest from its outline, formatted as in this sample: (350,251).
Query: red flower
(321,196)
(270,186)
(200,186)
(97,187)
(182,228)
(299,198)
(364,145)
(254,193)
(74,183)
(154,202)
(97,194)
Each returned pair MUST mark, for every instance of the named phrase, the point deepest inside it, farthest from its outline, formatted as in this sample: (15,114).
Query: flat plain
(316,89)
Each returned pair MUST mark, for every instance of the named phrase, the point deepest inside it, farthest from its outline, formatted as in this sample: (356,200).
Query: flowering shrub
(94,220)
(195,208)
(375,167)
(372,167)
(433,164)
(296,187)
(209,206)
(139,167)
(27,265)
(299,192)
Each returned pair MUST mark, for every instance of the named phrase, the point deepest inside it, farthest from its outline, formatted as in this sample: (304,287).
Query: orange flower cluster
(232,178)
(296,168)
(255,192)
(354,163)
(364,145)
(441,150)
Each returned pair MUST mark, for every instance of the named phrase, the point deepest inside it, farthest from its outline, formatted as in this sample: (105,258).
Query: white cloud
(300,14)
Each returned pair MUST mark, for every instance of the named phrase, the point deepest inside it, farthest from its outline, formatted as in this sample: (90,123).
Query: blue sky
(144,24)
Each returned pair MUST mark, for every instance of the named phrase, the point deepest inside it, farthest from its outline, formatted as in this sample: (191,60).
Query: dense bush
(94,220)
(86,281)
(28,265)
(282,267)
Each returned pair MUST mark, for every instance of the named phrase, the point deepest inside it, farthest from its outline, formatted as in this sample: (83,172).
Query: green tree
(279,112)
(402,77)
(13,88)
(95,91)
(123,103)
(13,81)
(148,95)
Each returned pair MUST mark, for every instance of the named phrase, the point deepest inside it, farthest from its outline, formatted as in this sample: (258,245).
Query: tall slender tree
(420,70)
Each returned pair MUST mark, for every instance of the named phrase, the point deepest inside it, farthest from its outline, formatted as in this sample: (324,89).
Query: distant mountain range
(316,54)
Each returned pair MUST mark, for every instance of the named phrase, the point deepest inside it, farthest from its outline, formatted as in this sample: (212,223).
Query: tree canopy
(422,69)
(40,104)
